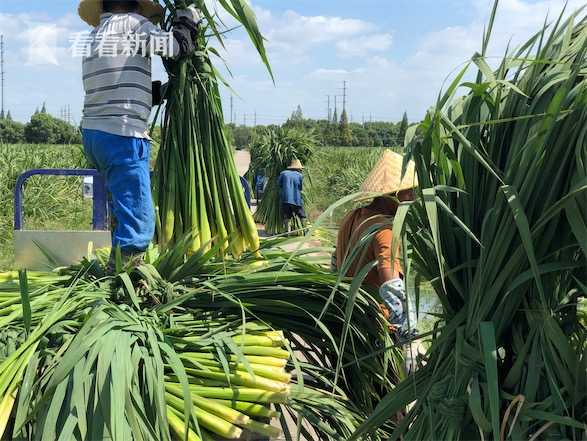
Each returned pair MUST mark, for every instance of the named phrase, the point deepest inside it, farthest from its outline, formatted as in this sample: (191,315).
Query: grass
(336,172)
(50,203)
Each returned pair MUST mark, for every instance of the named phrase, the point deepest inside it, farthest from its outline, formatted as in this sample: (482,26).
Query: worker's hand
(185,29)
(393,294)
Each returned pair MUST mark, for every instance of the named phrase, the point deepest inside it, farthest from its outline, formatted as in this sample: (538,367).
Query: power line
(344,96)
(231,109)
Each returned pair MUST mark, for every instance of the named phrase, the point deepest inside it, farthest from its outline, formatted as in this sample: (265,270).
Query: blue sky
(394,54)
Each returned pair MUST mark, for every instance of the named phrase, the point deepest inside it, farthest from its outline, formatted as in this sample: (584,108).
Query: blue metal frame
(100,200)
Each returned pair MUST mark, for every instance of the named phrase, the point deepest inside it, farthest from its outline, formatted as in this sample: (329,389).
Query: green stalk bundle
(197,188)
(271,154)
(143,356)
(499,229)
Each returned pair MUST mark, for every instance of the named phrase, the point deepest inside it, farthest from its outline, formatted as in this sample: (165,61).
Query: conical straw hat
(386,177)
(91,10)
(296,164)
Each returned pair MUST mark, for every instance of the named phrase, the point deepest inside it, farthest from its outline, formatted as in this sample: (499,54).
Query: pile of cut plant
(499,229)
(195,348)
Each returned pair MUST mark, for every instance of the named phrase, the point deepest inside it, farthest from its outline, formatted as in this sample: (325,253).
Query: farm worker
(260,182)
(291,182)
(387,277)
(119,94)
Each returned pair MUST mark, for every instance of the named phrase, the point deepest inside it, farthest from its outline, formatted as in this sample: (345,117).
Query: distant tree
(296,120)
(403,127)
(298,115)
(11,132)
(242,136)
(46,129)
(42,129)
(335,117)
(44,108)
(346,135)
(9,116)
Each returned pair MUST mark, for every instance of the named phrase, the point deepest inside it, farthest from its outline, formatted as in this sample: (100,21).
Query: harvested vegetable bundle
(500,231)
(169,349)
(273,152)
(197,187)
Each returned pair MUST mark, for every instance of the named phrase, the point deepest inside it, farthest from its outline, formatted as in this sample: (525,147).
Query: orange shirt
(353,226)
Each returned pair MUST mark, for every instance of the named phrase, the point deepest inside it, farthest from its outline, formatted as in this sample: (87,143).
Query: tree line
(338,132)
(42,128)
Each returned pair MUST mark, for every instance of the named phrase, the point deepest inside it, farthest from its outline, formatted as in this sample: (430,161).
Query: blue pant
(125,163)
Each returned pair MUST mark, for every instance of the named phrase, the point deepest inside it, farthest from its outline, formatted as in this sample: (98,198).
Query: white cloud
(364,44)
(381,82)
(41,45)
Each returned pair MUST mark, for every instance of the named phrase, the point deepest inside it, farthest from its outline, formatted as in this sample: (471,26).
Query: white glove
(185,29)
(393,295)
(189,17)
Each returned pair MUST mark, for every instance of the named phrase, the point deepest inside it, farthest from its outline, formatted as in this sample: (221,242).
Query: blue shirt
(290,184)
(247,190)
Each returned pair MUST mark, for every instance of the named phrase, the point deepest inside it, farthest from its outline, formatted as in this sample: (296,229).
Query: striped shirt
(117,74)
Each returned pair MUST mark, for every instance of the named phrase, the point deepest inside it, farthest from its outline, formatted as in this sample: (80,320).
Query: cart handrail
(100,206)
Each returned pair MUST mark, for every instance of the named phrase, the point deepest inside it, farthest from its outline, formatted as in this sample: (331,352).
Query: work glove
(185,29)
(393,295)
(159,92)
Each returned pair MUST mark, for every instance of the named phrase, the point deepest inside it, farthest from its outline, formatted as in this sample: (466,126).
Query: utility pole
(231,109)
(245,119)
(255,119)
(344,95)
(329,110)
(2,74)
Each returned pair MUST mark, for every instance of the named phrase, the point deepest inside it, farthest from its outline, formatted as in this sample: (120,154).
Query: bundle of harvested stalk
(499,229)
(176,349)
(272,153)
(197,187)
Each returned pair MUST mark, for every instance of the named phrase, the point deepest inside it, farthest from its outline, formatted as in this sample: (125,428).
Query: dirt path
(242,158)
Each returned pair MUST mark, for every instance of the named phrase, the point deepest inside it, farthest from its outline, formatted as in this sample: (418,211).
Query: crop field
(57,203)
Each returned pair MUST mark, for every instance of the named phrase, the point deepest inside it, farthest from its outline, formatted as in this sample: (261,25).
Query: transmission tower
(231,109)
(2,74)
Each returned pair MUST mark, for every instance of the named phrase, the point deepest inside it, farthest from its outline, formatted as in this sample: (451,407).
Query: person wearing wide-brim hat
(119,95)
(388,187)
(291,183)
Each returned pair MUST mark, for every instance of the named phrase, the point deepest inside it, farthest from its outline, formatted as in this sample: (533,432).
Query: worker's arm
(388,262)
(392,290)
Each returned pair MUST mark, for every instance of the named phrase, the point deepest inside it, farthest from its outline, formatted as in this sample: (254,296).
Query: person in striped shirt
(119,95)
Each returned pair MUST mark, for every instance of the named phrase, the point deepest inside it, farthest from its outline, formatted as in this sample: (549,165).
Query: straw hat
(91,10)
(296,164)
(386,177)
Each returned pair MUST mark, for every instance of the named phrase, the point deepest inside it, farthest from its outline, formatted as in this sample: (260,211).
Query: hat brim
(91,10)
